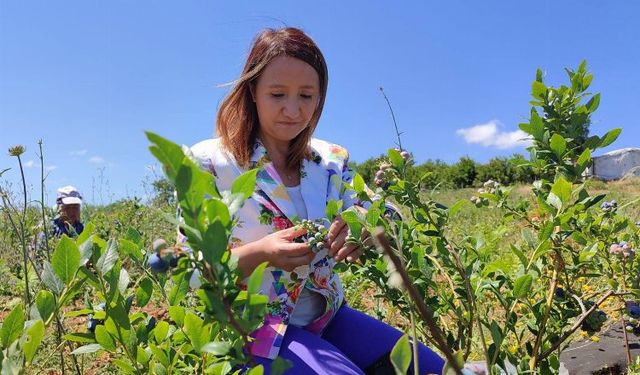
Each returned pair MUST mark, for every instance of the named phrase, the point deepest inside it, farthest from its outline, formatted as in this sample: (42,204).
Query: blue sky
(89,77)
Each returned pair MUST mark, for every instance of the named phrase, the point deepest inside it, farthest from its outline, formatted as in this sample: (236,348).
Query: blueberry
(157,264)
(560,293)
(634,311)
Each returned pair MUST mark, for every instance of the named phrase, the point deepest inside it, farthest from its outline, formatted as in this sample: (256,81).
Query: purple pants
(352,342)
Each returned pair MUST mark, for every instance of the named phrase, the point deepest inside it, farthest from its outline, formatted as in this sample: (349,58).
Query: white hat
(69,195)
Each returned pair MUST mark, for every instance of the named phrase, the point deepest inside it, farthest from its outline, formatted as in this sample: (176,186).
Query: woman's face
(286,96)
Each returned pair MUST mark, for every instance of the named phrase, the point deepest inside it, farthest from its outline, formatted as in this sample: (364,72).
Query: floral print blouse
(324,177)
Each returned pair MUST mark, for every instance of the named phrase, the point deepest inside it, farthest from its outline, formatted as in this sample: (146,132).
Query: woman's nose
(291,108)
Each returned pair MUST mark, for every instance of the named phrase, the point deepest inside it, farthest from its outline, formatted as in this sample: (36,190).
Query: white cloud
(29,164)
(96,160)
(49,168)
(489,135)
(78,153)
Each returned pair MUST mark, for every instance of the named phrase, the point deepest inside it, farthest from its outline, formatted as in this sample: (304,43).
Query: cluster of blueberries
(622,249)
(491,187)
(384,170)
(594,322)
(163,257)
(316,235)
(609,206)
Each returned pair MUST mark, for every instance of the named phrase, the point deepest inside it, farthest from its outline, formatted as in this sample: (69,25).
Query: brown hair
(237,121)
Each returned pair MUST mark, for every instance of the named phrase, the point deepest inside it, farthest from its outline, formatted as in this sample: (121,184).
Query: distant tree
(163,190)
(463,173)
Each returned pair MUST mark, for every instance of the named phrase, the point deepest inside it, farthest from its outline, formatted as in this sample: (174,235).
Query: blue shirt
(60,228)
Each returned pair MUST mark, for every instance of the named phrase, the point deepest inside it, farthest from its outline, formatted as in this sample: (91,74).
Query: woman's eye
(306,96)
(277,95)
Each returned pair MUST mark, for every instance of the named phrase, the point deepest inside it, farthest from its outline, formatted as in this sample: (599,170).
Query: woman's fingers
(293,232)
(336,227)
(338,241)
(295,249)
(346,252)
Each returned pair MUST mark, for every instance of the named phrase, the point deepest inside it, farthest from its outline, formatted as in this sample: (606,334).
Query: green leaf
(457,206)
(584,160)
(401,355)
(193,329)
(332,209)
(522,286)
(233,201)
(448,368)
(126,367)
(255,280)
(215,242)
(167,152)
(144,292)
(104,338)
(46,304)
(279,366)
(34,336)
(558,145)
(395,158)
(160,331)
(179,291)
(258,370)
(538,90)
(593,103)
(123,281)
(351,218)
(217,211)
(85,337)
(83,237)
(176,313)
(65,259)
(131,249)
(610,137)
(86,249)
(12,326)
(358,183)
(523,259)
(245,184)
(91,348)
(496,333)
(109,258)
(562,189)
(219,348)
(554,201)
(588,253)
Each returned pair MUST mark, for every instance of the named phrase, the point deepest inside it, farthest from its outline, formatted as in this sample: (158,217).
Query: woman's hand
(337,237)
(281,251)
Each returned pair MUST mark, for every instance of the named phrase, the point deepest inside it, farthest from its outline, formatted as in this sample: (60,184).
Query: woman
(267,122)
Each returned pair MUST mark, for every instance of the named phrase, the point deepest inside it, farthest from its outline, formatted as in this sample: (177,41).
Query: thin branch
(425,312)
(393,117)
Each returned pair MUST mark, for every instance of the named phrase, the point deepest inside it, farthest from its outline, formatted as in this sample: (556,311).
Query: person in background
(68,221)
